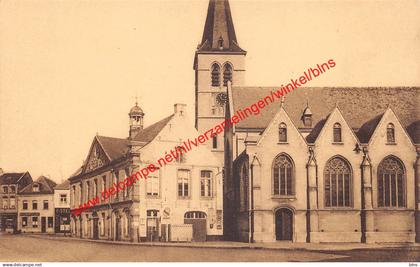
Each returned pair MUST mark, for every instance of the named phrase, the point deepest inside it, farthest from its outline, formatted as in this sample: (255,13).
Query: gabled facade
(180,201)
(62,207)
(10,184)
(355,168)
(36,207)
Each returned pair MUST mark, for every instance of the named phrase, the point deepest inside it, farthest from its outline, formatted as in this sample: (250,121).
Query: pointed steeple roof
(219,32)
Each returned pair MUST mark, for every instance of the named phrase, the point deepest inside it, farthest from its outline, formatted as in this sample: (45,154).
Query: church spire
(219,32)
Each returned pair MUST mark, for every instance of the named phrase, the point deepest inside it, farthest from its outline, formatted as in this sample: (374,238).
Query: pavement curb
(232,246)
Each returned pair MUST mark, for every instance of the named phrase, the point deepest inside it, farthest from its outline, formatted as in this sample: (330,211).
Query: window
(152,224)
(87,190)
(337,133)
(282,132)
(391,183)
(50,222)
(73,196)
(5,189)
(126,224)
(102,225)
(35,188)
(35,222)
(116,182)
(152,185)
(214,142)
(206,184)
(63,198)
(81,193)
(24,221)
(95,188)
(183,183)
(123,176)
(25,205)
(103,182)
(337,183)
(34,205)
(45,204)
(180,152)
(390,133)
(5,203)
(227,74)
(215,75)
(195,215)
(307,120)
(12,202)
(283,176)
(12,189)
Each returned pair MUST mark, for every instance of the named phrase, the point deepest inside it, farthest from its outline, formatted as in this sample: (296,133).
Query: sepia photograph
(181,131)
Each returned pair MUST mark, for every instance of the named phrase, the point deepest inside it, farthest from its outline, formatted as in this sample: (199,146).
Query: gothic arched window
(283,176)
(391,183)
(390,133)
(337,133)
(282,132)
(215,75)
(227,74)
(337,183)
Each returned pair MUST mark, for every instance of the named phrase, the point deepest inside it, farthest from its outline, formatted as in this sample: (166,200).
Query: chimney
(180,109)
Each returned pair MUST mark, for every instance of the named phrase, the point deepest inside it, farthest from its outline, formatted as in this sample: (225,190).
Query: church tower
(218,59)
(136,120)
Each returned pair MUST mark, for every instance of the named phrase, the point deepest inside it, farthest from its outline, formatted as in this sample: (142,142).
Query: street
(21,248)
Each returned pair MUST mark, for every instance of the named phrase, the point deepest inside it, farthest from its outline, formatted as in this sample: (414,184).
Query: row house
(36,207)
(62,207)
(10,184)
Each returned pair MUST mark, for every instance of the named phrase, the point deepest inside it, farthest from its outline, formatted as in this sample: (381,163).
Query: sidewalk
(240,245)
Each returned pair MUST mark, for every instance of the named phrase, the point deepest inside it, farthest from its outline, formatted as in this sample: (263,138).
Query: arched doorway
(95,225)
(284,224)
(199,224)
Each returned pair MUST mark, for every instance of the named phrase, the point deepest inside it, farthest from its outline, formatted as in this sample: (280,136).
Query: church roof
(360,107)
(219,25)
(46,186)
(114,147)
(149,133)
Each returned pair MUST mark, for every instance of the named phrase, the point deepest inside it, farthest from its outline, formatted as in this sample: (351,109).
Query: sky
(71,69)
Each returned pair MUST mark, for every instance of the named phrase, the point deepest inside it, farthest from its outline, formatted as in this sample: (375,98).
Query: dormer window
(215,75)
(390,133)
(337,133)
(282,133)
(35,188)
(220,42)
(307,116)
(307,121)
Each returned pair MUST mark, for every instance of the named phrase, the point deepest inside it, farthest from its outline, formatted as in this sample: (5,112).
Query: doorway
(95,228)
(198,220)
(43,224)
(284,224)
(117,228)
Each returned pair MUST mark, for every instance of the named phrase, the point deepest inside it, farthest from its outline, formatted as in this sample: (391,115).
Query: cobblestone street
(18,248)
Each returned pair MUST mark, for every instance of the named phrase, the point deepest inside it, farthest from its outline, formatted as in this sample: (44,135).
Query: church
(335,164)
